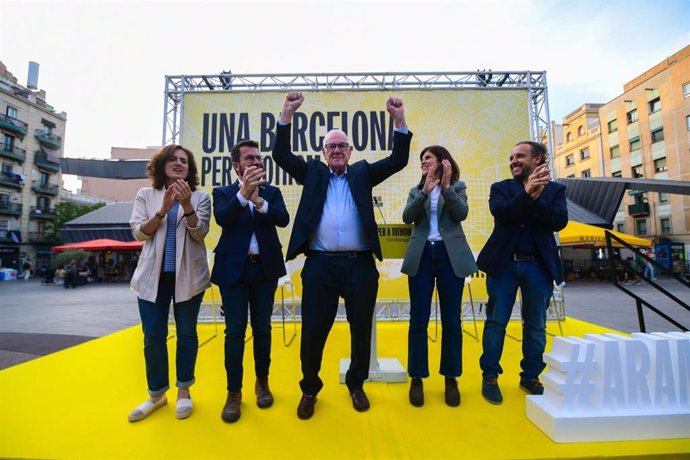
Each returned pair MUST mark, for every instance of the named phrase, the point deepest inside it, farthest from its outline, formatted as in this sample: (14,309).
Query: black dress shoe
(359,400)
(305,410)
(416,392)
(231,410)
(452,392)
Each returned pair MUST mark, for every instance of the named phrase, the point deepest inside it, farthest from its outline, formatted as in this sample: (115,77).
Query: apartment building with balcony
(31,145)
(646,134)
(579,152)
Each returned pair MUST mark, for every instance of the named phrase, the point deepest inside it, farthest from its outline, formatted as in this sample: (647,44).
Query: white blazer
(191,265)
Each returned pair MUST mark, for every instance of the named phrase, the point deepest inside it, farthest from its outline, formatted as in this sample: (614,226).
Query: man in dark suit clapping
(248,263)
(335,228)
(521,252)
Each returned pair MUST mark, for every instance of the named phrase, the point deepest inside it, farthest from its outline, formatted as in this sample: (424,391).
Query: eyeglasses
(341,146)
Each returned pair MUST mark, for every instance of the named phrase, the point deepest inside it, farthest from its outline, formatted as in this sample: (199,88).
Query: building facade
(31,144)
(579,152)
(645,133)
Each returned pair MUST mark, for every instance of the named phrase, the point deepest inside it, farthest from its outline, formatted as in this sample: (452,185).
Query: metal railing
(615,262)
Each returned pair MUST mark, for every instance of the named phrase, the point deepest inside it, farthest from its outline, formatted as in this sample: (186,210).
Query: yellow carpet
(74,404)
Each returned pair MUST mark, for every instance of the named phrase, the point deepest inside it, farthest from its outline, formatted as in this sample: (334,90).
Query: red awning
(101,245)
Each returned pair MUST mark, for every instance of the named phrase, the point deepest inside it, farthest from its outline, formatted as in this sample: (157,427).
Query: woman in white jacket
(171,218)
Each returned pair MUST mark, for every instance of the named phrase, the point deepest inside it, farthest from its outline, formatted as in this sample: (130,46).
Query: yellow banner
(479,127)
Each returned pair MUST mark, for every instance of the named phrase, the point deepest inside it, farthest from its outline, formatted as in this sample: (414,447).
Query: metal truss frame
(533,82)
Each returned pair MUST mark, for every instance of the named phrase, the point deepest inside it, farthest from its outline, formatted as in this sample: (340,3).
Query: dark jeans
(154,322)
(325,278)
(435,268)
(536,286)
(254,293)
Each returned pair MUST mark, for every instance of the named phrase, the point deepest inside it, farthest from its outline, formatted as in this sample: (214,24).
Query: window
(569,137)
(580,130)
(687,122)
(665,224)
(6,168)
(657,135)
(5,198)
(641,227)
(584,154)
(686,89)
(637,171)
(654,105)
(660,165)
(635,144)
(7,143)
(11,112)
(616,174)
(663,198)
(620,227)
(632,116)
(43,203)
(615,151)
(570,160)
(4,225)
(613,126)
(587,173)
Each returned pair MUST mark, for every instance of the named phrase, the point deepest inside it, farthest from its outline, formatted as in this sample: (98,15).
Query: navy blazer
(509,203)
(314,175)
(238,223)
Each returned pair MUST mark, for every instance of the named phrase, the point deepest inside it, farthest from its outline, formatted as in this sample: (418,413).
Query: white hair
(335,131)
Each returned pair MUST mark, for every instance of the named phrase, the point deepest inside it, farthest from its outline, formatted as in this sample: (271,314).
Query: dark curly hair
(156,166)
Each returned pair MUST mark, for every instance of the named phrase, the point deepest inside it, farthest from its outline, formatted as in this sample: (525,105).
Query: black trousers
(325,278)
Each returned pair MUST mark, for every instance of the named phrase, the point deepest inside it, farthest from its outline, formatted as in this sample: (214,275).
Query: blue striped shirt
(170,240)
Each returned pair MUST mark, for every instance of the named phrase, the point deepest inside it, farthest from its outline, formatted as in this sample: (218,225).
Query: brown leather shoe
(231,410)
(359,400)
(416,392)
(452,392)
(305,410)
(264,397)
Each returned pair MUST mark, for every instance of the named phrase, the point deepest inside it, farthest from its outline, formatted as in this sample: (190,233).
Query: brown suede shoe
(264,397)
(231,410)
(359,400)
(305,410)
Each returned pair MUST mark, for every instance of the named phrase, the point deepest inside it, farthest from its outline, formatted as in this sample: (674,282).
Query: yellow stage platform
(74,404)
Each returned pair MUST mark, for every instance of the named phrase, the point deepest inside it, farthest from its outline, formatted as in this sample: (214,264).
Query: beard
(524,173)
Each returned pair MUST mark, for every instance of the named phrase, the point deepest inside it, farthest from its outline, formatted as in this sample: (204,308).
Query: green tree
(66,211)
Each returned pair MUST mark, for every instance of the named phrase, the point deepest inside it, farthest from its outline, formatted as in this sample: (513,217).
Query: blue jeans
(536,286)
(649,271)
(435,268)
(254,293)
(154,322)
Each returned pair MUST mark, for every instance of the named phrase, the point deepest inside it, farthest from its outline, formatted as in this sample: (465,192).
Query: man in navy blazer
(521,252)
(335,228)
(248,263)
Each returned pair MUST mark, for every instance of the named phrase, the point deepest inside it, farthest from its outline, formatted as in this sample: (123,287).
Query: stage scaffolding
(533,82)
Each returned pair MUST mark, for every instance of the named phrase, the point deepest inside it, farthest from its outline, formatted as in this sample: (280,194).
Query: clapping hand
(537,180)
(447,172)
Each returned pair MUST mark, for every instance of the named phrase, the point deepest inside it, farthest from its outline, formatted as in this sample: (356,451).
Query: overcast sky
(104,63)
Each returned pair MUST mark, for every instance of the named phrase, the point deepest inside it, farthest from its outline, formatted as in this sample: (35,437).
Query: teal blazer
(452,209)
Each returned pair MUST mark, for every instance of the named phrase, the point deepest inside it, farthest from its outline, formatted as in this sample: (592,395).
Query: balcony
(44,163)
(41,238)
(40,213)
(12,124)
(49,139)
(46,189)
(638,209)
(11,180)
(12,153)
(10,209)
